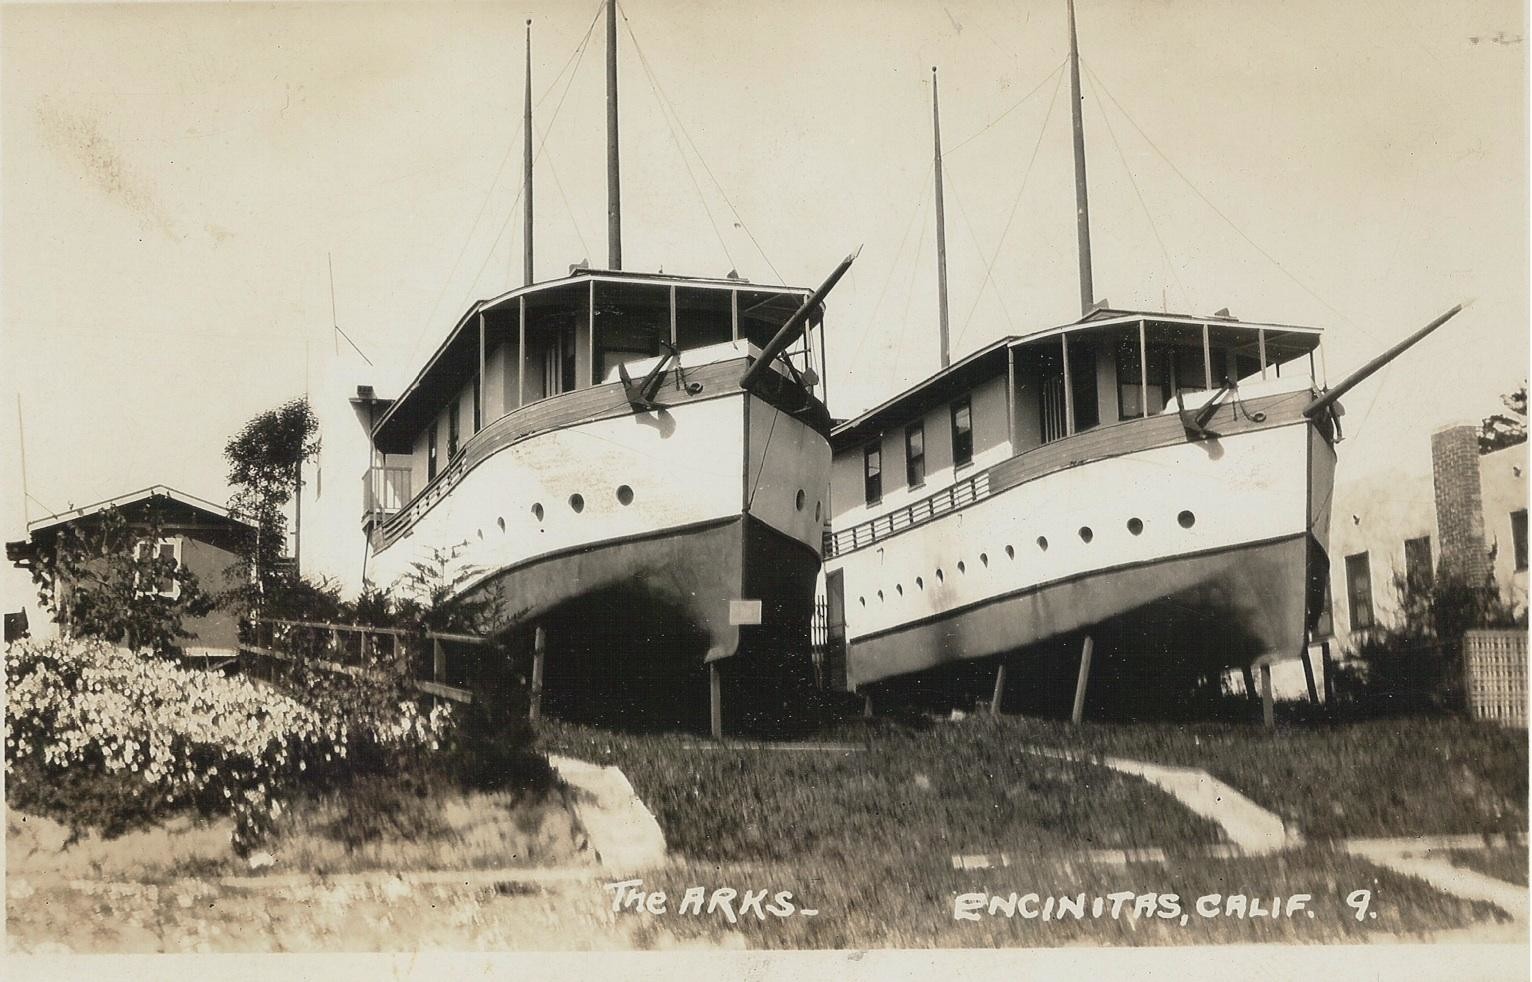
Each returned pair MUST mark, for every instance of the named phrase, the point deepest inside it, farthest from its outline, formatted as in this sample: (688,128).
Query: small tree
(1499,431)
(265,469)
(107,579)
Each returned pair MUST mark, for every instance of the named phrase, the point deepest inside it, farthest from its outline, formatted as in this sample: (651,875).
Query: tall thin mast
(941,224)
(1082,205)
(613,180)
(526,167)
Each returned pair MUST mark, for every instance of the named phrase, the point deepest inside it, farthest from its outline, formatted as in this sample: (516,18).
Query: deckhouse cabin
(511,354)
(927,450)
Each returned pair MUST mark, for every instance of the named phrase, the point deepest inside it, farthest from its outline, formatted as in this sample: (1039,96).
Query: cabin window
(166,549)
(872,473)
(1417,562)
(1082,381)
(452,429)
(631,321)
(478,404)
(915,454)
(1519,538)
(431,452)
(1359,590)
(1131,392)
(962,433)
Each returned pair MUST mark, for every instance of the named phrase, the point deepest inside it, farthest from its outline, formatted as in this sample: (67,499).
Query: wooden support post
(867,705)
(1085,652)
(398,661)
(438,661)
(1268,709)
(1249,682)
(1308,675)
(1327,666)
(715,700)
(539,649)
(994,702)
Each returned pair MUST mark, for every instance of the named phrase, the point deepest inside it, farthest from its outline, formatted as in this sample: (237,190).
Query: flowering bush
(162,737)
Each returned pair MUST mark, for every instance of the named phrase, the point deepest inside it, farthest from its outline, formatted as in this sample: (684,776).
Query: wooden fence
(438,662)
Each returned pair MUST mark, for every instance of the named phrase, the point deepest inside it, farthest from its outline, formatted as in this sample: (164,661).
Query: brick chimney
(1459,503)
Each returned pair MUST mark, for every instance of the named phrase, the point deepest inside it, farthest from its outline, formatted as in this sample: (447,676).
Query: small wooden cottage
(201,536)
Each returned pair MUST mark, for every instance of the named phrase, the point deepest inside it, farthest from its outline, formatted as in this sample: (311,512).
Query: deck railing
(958,495)
(385,492)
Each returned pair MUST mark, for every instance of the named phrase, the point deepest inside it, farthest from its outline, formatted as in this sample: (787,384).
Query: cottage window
(962,433)
(1359,590)
(872,472)
(1519,538)
(169,549)
(915,455)
(1417,562)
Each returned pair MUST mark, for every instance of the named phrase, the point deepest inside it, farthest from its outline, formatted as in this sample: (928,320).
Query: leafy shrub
(135,737)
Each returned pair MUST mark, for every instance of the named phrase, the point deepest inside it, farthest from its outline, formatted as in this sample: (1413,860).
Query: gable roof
(157,491)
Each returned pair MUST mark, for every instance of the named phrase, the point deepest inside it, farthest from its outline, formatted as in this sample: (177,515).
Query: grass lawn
(1509,865)
(919,794)
(1385,777)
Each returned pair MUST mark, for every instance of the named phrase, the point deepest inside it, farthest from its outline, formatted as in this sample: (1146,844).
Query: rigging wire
(915,212)
(1004,310)
(666,112)
(1207,201)
(693,144)
(430,318)
(1016,202)
(1014,106)
(1186,296)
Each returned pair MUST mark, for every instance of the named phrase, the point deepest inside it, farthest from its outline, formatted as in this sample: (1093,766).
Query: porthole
(480,534)
(817,506)
(962,566)
(537,511)
(577,502)
(501,522)
(624,495)
(984,559)
(798,500)
(1187,519)
(1042,543)
(862,601)
(1136,526)
(1086,534)
(899,589)
(940,576)
(1010,552)
(880,595)
(920,584)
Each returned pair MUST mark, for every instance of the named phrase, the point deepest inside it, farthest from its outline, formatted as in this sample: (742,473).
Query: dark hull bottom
(1191,614)
(632,626)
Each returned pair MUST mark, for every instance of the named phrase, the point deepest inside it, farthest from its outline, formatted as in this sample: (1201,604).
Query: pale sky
(173,178)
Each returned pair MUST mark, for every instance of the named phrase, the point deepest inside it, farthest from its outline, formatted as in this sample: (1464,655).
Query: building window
(452,429)
(165,585)
(431,452)
(962,433)
(1324,626)
(872,472)
(1519,538)
(915,455)
(1359,590)
(1417,562)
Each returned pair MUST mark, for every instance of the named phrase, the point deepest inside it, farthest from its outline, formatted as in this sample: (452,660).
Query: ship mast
(613,181)
(941,226)
(526,168)
(1082,205)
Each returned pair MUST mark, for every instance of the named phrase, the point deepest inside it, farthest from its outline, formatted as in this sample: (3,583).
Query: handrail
(428,634)
(954,496)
